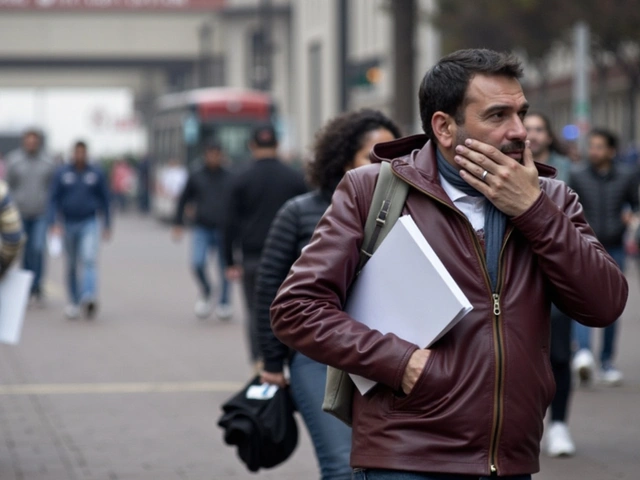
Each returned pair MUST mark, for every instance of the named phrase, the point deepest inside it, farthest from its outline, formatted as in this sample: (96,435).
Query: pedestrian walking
(343,144)
(3,167)
(207,190)
(144,184)
(29,174)
(609,194)
(546,149)
(11,232)
(256,196)
(79,196)
(122,184)
(511,237)
(171,181)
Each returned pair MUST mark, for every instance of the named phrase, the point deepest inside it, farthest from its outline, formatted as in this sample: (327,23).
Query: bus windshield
(234,138)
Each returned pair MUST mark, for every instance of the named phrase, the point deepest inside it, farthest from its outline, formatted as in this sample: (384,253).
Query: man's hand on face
(414,369)
(513,187)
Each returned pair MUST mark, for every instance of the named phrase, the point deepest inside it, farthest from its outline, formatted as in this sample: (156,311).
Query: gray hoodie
(29,178)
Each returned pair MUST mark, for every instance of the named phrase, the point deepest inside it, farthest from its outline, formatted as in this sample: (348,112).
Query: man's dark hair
(444,86)
(80,143)
(556,145)
(609,137)
(337,143)
(265,136)
(32,131)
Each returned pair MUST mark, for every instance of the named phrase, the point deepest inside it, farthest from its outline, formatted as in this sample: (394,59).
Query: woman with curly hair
(344,143)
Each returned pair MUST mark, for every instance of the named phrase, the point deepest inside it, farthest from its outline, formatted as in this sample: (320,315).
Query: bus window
(227,115)
(235,141)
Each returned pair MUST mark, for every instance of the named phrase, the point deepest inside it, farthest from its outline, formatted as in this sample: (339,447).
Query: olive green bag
(390,194)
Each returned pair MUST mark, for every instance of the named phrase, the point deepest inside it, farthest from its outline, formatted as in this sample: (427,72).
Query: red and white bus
(185,121)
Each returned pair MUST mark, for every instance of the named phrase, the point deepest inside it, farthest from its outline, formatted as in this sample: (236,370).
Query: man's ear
(444,129)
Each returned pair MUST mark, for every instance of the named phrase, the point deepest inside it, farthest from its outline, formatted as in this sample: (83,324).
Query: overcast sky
(102,117)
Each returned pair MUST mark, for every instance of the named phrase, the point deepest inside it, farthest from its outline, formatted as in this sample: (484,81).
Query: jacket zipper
(495,300)
(499,391)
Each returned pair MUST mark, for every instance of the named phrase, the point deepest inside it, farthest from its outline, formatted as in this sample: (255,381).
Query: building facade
(316,57)
(321,52)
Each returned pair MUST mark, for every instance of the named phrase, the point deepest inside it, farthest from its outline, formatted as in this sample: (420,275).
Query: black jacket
(256,196)
(290,232)
(604,197)
(261,424)
(209,190)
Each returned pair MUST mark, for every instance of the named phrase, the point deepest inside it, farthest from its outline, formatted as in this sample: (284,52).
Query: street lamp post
(204,67)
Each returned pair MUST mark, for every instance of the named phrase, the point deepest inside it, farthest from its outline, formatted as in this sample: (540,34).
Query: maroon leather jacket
(479,404)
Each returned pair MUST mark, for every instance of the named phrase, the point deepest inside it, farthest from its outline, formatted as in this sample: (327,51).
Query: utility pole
(581,94)
(204,67)
(404,27)
(265,56)
(343,54)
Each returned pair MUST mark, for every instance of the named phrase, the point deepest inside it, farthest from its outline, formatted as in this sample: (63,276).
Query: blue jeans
(81,239)
(33,259)
(331,438)
(203,240)
(375,474)
(582,334)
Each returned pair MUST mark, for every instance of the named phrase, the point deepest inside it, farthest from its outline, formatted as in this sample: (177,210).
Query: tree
(532,27)
(536,26)
(615,34)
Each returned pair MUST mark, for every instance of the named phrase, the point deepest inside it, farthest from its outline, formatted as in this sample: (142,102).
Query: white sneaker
(224,311)
(559,442)
(611,377)
(584,365)
(203,308)
(72,311)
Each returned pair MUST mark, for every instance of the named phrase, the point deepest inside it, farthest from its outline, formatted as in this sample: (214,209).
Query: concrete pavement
(135,394)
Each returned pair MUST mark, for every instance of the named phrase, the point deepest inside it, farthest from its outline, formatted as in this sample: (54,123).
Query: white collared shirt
(471,207)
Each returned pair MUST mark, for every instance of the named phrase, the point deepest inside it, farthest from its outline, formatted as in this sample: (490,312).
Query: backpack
(390,194)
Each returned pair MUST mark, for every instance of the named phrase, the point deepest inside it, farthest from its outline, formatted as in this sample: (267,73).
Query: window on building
(259,72)
(315,87)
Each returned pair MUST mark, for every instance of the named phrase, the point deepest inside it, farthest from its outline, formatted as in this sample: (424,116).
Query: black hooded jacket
(290,232)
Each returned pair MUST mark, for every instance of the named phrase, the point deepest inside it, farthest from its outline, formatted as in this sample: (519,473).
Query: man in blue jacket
(79,193)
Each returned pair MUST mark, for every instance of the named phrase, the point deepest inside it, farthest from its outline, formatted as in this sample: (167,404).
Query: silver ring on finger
(484,175)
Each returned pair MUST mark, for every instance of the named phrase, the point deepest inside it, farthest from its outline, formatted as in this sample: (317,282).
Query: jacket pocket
(424,390)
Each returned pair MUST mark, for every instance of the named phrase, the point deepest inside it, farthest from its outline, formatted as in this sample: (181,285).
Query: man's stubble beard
(518,146)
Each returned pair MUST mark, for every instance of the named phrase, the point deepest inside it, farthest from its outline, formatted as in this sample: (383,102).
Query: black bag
(259,421)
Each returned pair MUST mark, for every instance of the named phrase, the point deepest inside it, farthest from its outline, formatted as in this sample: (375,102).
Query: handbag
(259,421)
(390,194)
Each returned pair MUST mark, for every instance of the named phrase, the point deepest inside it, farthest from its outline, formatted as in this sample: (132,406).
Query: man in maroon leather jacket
(473,404)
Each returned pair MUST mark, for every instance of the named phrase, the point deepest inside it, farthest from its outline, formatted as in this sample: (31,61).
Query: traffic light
(374,75)
(364,73)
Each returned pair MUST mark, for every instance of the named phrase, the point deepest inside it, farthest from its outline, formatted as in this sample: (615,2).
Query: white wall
(101,116)
(314,23)
(99,35)
(135,79)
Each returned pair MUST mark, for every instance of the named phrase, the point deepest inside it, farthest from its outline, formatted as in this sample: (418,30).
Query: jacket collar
(413,159)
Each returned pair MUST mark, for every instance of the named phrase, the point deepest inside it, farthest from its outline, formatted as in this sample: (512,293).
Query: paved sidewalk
(135,394)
